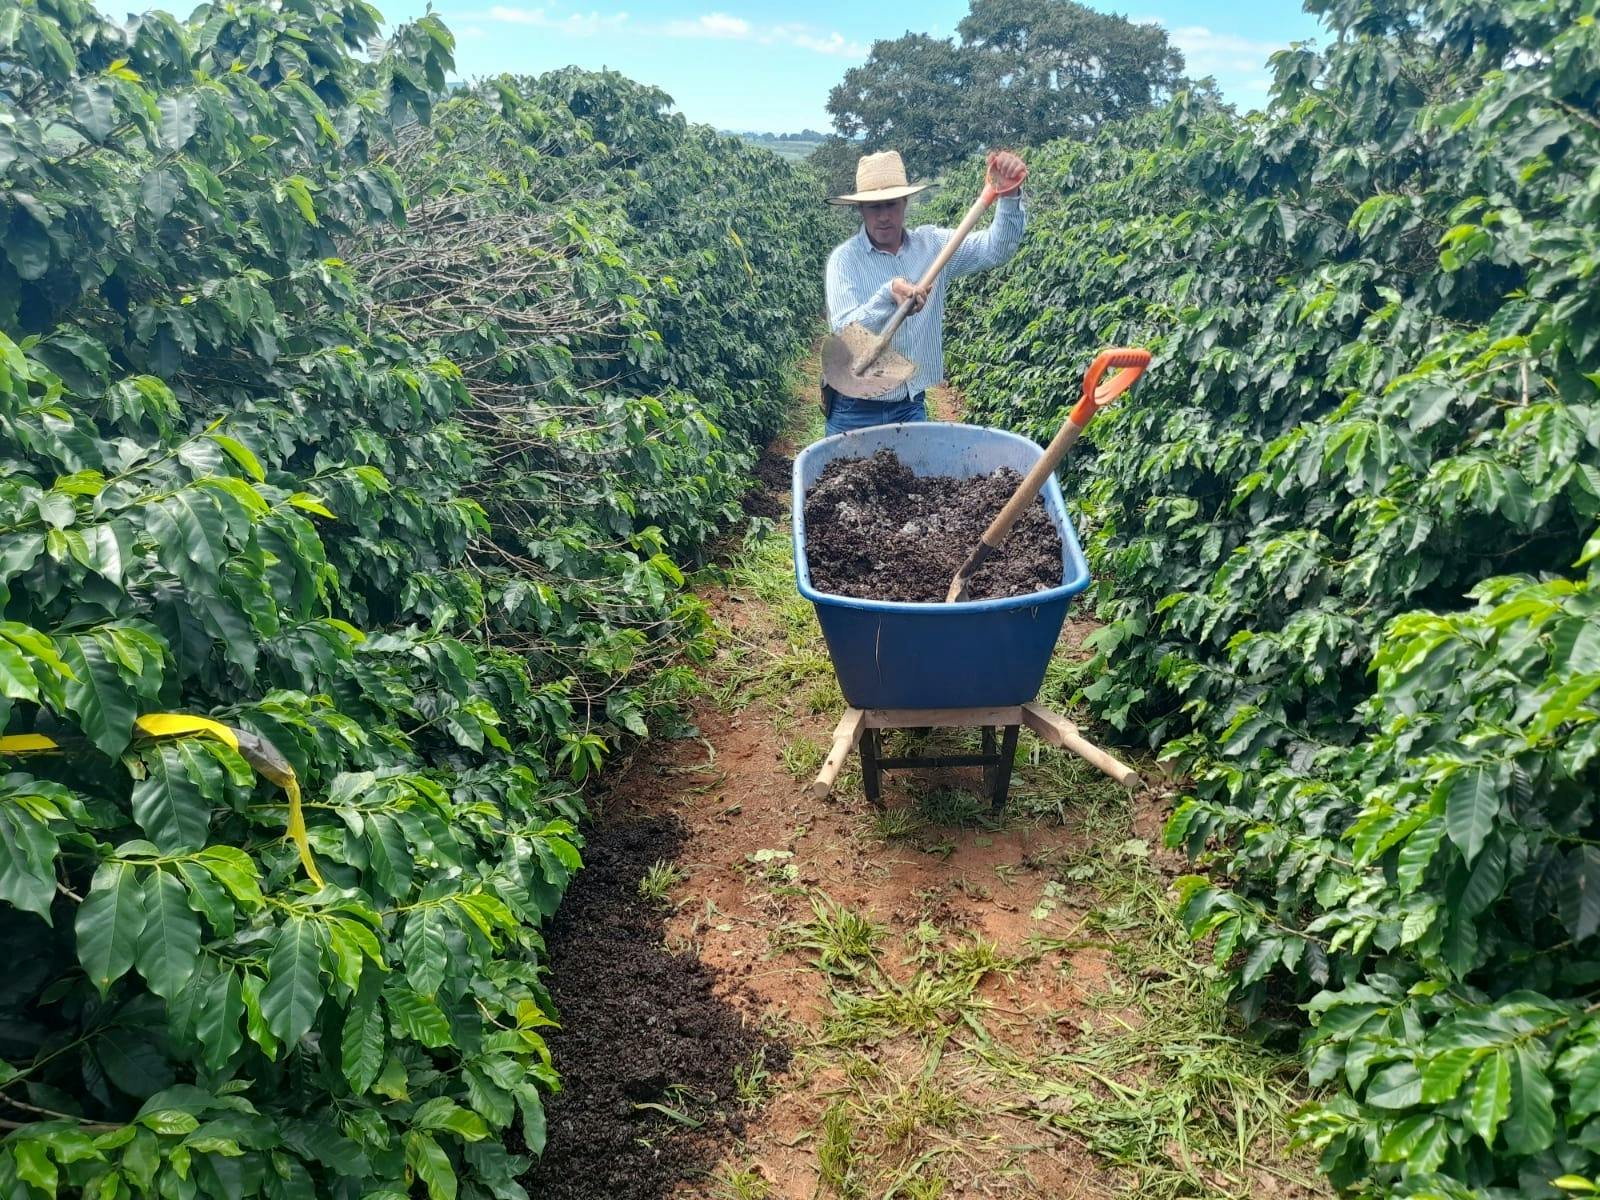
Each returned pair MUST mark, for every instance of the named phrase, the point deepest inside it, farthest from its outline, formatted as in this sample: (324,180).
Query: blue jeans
(850,414)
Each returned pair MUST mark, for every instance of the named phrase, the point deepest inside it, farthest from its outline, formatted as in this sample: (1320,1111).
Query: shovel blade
(839,355)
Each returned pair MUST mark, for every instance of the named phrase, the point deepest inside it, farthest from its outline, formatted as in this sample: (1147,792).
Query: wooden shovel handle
(872,352)
(1095,396)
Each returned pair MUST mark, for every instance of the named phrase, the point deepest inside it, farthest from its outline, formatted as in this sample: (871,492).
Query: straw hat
(879,177)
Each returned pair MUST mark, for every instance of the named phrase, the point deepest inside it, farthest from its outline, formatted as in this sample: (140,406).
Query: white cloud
(808,39)
(711,26)
(1207,52)
(579,24)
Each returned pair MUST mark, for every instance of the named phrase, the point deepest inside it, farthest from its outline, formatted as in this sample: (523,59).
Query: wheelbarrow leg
(1001,785)
(870,773)
(990,769)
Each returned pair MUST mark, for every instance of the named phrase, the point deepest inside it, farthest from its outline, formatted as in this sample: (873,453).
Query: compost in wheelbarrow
(892,655)
(876,531)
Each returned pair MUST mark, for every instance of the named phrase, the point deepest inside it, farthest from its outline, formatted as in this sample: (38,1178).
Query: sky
(768,66)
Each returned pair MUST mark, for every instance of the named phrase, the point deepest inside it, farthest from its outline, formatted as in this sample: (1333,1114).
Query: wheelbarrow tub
(978,652)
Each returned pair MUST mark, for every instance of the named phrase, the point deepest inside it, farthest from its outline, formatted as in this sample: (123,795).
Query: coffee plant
(351,437)
(1346,540)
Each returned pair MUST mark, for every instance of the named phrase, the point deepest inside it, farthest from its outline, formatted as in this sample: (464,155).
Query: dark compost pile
(647,1050)
(875,531)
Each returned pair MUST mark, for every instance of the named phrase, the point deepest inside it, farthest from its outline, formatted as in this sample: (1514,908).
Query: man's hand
(1006,172)
(904,288)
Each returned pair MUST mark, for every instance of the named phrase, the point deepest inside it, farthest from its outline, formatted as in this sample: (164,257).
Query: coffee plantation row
(1345,533)
(371,424)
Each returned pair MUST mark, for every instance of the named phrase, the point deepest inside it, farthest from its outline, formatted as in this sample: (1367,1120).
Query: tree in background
(1019,72)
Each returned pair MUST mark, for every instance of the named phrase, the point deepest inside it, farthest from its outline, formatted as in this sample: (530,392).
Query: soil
(875,531)
(639,1026)
(769,495)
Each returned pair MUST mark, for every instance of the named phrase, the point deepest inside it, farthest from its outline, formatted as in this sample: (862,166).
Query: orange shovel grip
(1131,362)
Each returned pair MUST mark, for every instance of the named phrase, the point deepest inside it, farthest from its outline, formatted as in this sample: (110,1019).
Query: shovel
(1096,395)
(857,362)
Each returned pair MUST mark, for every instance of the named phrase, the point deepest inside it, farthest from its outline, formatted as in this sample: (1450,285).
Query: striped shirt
(859,275)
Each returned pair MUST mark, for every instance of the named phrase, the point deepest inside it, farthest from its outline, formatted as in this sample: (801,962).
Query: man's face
(885,221)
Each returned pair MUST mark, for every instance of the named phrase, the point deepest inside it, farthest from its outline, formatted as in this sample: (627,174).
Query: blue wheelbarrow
(968,663)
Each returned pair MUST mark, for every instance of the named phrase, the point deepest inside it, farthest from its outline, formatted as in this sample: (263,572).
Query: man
(871,273)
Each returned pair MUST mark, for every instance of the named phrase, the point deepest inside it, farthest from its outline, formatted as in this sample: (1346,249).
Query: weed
(836,1150)
(675,1106)
(929,1001)
(661,879)
(918,1106)
(976,957)
(894,824)
(843,940)
(752,1082)
(954,807)
(858,1068)
(742,1183)
(802,756)
(776,867)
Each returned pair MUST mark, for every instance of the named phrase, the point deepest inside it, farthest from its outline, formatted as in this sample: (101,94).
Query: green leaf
(432,1165)
(1530,1124)
(167,802)
(1396,1086)
(190,536)
(1577,647)
(1485,883)
(241,454)
(534,1125)
(443,1113)
(299,191)
(1420,1142)
(353,946)
(416,1017)
(17,680)
(390,857)
(251,987)
(169,944)
(1442,1075)
(97,695)
(1491,1098)
(425,950)
(207,897)
(218,1018)
(34,1166)
(173,1122)
(392,1081)
(1584,1093)
(108,925)
(1581,903)
(293,992)
(27,859)
(234,870)
(179,119)
(159,191)
(361,1048)
(1472,802)
(94,109)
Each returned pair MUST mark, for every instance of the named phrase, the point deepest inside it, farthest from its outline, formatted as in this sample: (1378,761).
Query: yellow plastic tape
(261,754)
(26,743)
(181,725)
